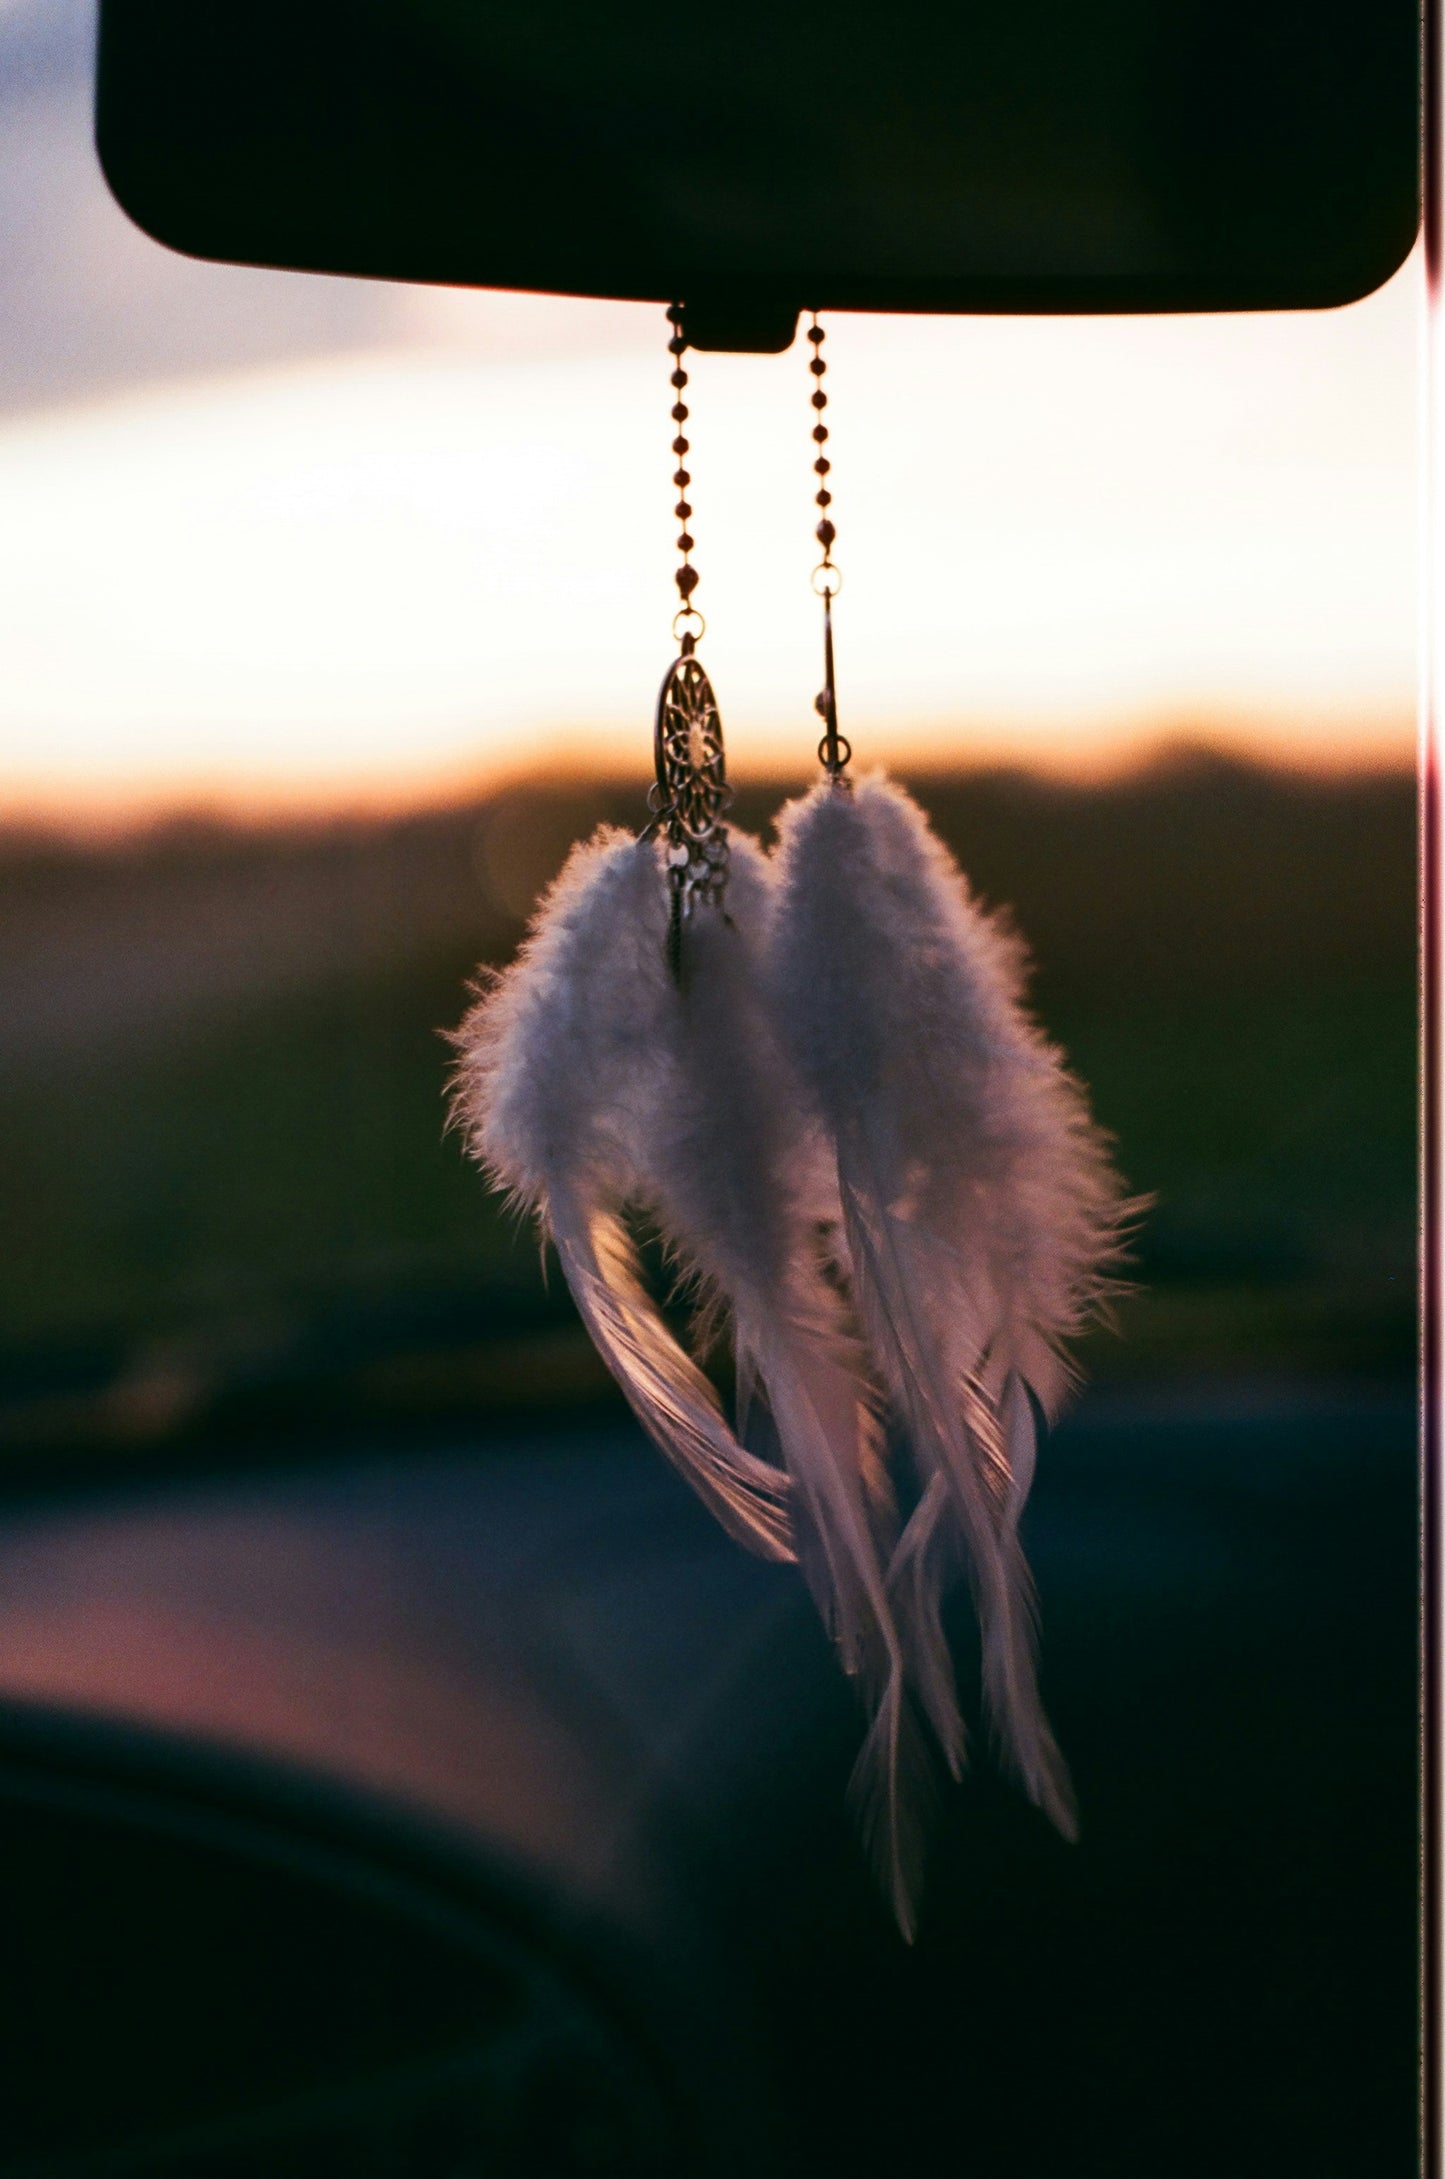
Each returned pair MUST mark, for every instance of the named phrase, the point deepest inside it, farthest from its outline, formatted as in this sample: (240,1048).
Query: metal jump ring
(832,581)
(688,621)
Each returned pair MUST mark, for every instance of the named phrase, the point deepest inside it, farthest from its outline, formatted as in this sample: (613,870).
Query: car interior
(400,1772)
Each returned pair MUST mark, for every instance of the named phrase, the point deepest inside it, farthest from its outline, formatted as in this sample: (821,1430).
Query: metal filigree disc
(689,749)
(692,792)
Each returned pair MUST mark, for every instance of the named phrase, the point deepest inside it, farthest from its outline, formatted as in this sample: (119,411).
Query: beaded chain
(687,576)
(690,795)
(834,750)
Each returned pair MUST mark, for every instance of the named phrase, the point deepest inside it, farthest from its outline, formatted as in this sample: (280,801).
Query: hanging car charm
(828,1098)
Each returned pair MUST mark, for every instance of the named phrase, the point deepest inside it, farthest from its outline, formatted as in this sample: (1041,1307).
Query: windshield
(336,613)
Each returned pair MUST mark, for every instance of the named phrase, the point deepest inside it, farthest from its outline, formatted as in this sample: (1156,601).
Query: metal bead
(686,580)
(820,432)
(820,401)
(677,345)
(822,465)
(679,378)
(824,499)
(679,412)
(825,533)
(679,446)
(817,366)
(682,510)
(685,543)
(815,333)
(681,479)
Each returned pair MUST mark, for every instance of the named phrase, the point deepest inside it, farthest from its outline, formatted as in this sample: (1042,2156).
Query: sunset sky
(265,537)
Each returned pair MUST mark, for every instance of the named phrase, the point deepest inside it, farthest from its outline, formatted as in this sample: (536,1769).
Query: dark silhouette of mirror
(760,157)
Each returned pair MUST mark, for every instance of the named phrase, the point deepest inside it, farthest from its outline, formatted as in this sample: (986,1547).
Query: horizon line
(1070,760)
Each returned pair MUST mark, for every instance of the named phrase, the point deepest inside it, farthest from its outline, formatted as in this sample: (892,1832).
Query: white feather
(979,1210)
(742,1182)
(562,1067)
(593,1080)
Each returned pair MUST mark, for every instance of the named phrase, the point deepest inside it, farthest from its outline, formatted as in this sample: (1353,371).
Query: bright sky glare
(443,550)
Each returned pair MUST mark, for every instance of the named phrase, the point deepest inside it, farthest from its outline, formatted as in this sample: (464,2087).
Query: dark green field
(230,1206)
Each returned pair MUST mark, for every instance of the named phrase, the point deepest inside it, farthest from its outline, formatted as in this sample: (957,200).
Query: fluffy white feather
(592,1080)
(563,1064)
(979,1211)
(742,1182)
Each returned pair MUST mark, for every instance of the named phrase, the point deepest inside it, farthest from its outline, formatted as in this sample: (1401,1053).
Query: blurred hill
(230,1206)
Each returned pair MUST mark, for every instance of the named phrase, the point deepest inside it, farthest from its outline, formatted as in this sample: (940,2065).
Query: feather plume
(561,1069)
(592,1080)
(979,1212)
(741,1181)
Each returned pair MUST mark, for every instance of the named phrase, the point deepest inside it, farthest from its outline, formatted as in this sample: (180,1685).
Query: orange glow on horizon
(1075,754)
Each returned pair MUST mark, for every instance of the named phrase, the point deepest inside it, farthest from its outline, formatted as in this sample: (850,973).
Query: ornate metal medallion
(691,795)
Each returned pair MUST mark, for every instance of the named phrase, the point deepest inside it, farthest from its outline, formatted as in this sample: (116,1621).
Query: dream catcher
(812,1073)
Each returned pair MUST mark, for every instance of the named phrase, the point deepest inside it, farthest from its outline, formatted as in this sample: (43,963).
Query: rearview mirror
(1138,155)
